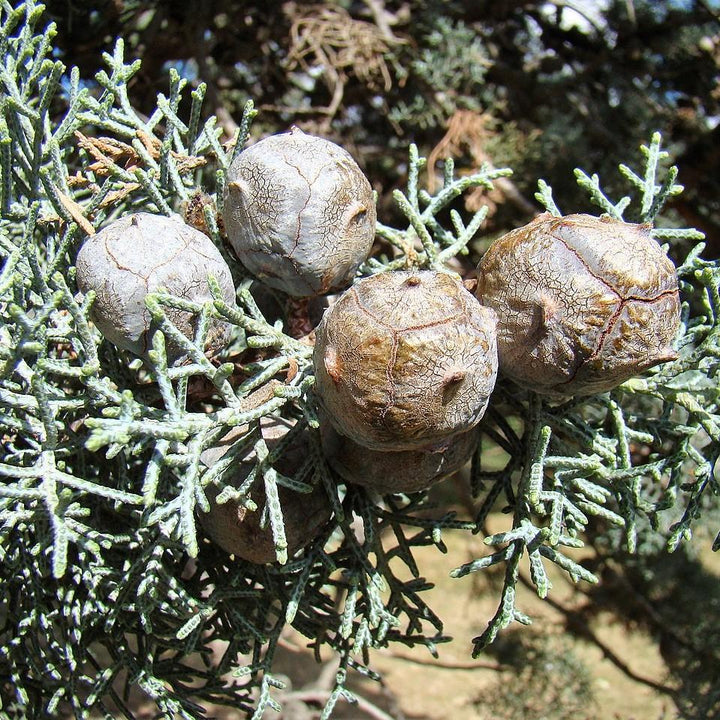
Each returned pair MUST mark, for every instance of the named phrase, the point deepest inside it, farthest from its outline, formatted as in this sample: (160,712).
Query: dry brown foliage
(329,37)
(467,134)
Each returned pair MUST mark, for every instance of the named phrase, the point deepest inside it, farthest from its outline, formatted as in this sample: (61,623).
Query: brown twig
(440,665)
(468,130)
(714,14)
(330,38)
(654,617)
(320,697)
(381,17)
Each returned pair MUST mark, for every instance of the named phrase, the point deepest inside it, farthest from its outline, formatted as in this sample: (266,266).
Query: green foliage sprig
(446,74)
(426,243)
(579,462)
(102,470)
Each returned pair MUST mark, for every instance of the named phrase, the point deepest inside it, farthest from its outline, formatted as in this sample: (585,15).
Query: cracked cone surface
(405,359)
(583,303)
(299,213)
(138,254)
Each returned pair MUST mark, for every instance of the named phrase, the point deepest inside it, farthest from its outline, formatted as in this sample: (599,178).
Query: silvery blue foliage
(105,580)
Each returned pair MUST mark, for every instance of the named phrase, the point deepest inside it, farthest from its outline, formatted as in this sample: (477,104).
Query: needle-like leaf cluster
(108,587)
